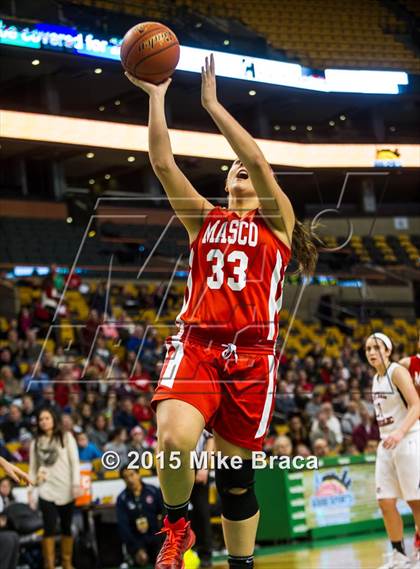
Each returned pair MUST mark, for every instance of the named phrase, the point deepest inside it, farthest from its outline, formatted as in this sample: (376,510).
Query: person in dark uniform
(139,517)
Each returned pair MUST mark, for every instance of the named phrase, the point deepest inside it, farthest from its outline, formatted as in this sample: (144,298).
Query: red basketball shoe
(417,546)
(179,539)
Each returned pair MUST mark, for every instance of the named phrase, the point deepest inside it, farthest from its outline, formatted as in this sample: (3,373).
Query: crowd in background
(323,404)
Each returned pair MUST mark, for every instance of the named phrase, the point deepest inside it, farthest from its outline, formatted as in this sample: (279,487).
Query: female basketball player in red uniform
(412,363)
(220,370)
(397,470)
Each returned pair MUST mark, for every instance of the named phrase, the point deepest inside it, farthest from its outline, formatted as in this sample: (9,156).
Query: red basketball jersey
(414,370)
(235,284)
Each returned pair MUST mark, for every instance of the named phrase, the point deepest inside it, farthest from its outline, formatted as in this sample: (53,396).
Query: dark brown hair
(304,249)
(57,428)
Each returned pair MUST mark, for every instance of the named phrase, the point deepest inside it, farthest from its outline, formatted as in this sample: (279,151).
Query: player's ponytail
(304,249)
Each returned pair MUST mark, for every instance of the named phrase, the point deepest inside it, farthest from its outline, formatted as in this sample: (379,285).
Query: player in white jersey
(397,473)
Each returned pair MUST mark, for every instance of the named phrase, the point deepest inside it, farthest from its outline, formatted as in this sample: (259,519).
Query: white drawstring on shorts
(230,350)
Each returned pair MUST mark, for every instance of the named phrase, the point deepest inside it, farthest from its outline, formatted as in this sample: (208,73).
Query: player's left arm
(402,380)
(274,202)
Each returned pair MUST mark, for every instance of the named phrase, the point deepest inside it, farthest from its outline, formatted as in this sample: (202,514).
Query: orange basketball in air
(150,51)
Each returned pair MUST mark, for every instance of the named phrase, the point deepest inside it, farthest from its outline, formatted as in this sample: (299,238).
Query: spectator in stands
(302,450)
(86,414)
(351,419)
(321,430)
(13,343)
(54,465)
(13,425)
(139,516)
(6,359)
(34,381)
(142,410)
(348,448)
(24,321)
(98,433)
(88,451)
(282,446)
(28,411)
(140,380)
(6,491)
(356,396)
(314,405)
(9,540)
(137,444)
(333,422)
(22,452)
(321,448)
(48,398)
(12,385)
(341,399)
(66,384)
(94,400)
(134,342)
(31,348)
(50,295)
(124,417)
(102,351)
(118,443)
(111,408)
(49,366)
(73,404)
(4,452)
(366,430)
(297,431)
(67,423)
(285,402)
(371,446)
(88,332)
(99,299)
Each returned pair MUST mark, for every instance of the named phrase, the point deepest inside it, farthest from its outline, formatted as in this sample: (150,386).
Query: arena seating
(412,6)
(302,337)
(325,33)
(40,241)
(317,34)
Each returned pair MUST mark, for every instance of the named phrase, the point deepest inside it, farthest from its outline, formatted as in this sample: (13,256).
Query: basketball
(150,52)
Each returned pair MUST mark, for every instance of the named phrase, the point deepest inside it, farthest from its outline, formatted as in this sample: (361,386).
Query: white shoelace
(230,350)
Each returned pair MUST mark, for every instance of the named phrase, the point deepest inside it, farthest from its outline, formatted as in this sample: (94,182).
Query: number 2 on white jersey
(236,283)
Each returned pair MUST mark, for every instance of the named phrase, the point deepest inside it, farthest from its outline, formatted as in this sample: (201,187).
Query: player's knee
(170,441)
(414,505)
(387,506)
(236,490)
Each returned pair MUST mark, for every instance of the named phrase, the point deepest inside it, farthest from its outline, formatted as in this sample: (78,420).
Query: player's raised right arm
(188,204)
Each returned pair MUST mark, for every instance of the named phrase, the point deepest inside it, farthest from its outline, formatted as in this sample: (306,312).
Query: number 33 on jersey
(235,282)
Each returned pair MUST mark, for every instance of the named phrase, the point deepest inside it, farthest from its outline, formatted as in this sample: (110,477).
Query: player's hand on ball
(149,88)
(208,83)
(393,439)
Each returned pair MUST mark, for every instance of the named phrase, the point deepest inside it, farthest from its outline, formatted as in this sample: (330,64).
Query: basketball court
(362,553)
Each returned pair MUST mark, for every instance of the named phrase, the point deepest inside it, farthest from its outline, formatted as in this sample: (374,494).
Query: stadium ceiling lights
(247,68)
(134,138)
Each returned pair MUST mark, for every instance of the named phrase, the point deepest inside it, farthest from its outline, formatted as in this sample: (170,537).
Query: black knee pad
(237,507)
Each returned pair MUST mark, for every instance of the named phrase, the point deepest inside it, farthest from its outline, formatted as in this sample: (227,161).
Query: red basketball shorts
(235,393)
